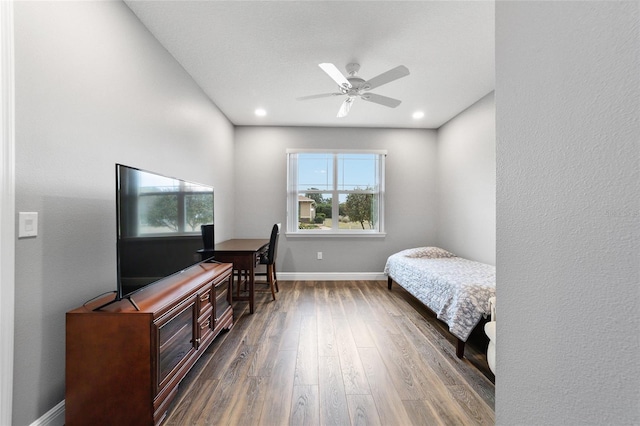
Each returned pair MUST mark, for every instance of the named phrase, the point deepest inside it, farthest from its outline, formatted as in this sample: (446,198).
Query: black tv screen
(159,221)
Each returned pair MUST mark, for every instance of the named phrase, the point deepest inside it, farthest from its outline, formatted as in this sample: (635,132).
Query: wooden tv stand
(123,366)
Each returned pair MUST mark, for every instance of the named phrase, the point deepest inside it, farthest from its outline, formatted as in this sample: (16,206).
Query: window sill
(330,234)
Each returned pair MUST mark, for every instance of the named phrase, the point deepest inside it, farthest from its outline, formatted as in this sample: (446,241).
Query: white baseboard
(331,276)
(53,417)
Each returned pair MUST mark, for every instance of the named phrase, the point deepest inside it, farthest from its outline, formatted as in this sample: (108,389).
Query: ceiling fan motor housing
(357,85)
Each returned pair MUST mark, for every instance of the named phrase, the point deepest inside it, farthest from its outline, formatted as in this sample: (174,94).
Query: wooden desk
(244,254)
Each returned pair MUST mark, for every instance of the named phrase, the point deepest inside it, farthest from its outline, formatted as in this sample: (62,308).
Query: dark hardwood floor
(337,353)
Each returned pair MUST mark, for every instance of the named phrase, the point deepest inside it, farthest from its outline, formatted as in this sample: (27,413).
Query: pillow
(428,253)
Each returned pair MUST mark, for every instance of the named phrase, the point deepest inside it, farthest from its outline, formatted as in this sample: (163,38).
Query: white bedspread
(456,289)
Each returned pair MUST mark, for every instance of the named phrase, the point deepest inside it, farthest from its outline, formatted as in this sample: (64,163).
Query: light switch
(27,224)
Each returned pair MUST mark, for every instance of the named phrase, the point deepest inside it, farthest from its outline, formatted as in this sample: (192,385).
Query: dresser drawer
(205,329)
(205,298)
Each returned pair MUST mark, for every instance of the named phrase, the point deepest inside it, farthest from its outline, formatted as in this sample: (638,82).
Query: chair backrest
(207,236)
(273,244)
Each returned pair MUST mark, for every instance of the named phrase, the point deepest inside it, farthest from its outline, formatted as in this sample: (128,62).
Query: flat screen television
(159,227)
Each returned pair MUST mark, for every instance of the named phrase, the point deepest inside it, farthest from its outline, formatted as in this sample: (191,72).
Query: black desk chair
(268,258)
(207,241)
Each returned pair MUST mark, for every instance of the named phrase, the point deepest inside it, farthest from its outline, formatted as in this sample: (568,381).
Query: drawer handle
(206,325)
(205,297)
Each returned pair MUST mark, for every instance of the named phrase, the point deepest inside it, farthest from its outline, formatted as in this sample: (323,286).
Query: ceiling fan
(355,87)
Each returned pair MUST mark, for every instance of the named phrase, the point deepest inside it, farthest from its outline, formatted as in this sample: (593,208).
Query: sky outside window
(315,171)
(355,171)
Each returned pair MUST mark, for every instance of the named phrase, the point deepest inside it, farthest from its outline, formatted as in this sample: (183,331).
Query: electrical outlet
(319,255)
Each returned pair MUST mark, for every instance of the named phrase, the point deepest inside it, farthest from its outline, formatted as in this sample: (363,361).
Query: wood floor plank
(390,408)
(422,368)
(183,412)
(226,352)
(447,411)
(327,345)
(221,401)
(266,352)
(306,302)
(363,411)
(277,403)
(344,295)
(451,370)
(382,298)
(331,295)
(429,353)
(290,331)
(362,308)
(287,297)
(307,361)
(360,332)
(333,400)
(472,405)
(360,317)
(422,413)
(355,381)
(249,404)
(323,302)
(305,409)
(399,368)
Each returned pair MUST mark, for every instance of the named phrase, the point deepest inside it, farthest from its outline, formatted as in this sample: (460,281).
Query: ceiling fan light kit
(356,87)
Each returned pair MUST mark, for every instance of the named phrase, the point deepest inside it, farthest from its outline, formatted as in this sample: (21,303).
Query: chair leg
(275,279)
(271,279)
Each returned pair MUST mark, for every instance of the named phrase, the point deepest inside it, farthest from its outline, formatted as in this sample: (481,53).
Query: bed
(457,290)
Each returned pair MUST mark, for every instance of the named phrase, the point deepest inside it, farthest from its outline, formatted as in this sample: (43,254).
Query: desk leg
(251,282)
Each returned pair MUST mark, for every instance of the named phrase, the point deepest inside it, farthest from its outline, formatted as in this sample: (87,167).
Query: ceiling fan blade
(345,107)
(387,77)
(322,95)
(382,100)
(336,75)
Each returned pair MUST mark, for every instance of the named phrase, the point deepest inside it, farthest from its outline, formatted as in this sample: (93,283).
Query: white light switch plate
(27,224)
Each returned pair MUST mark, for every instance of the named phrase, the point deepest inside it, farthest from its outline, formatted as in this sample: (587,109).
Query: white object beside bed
(490,331)
(457,290)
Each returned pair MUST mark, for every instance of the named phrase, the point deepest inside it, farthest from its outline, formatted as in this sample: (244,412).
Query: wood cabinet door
(222,299)
(176,333)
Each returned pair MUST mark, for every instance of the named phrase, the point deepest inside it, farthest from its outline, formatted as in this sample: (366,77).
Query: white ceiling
(265,54)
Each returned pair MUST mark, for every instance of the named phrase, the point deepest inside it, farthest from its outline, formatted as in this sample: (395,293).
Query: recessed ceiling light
(418,115)
(260,112)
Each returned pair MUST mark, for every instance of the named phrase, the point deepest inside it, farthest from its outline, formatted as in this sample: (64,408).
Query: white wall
(93,88)
(410,205)
(467,183)
(568,203)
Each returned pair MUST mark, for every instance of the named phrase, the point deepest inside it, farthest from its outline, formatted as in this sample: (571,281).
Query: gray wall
(411,194)
(467,183)
(93,88)
(568,203)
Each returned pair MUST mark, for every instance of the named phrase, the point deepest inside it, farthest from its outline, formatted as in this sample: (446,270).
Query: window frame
(293,193)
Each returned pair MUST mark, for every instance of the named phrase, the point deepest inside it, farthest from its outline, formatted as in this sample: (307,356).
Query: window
(335,192)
